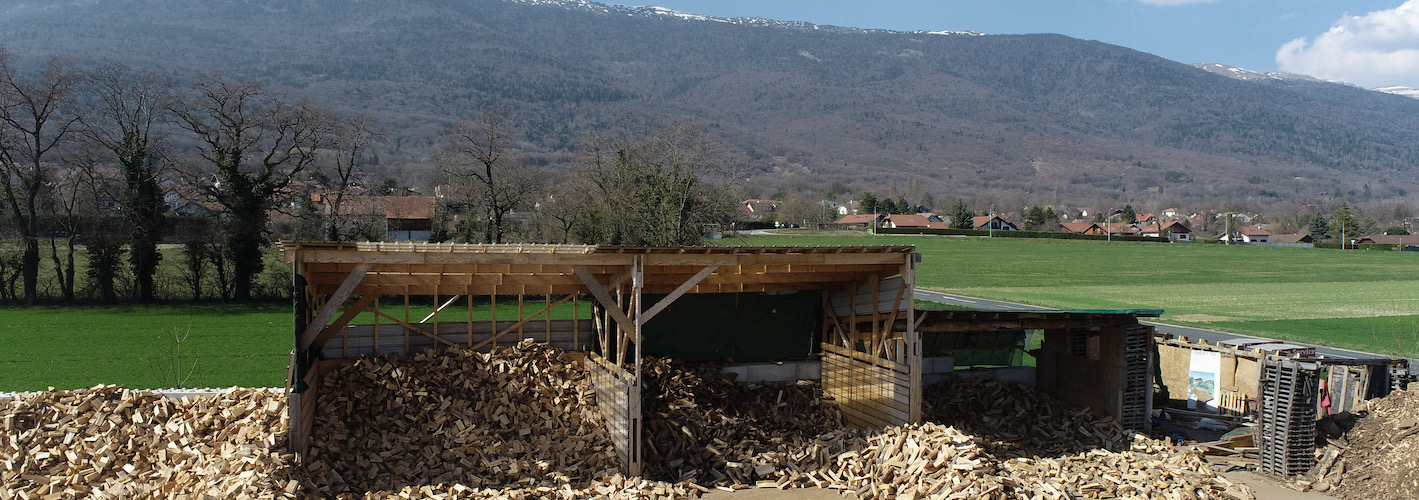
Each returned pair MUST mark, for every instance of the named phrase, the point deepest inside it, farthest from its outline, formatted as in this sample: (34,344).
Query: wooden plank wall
(566,334)
(1094,379)
(618,395)
(302,407)
(886,294)
(871,392)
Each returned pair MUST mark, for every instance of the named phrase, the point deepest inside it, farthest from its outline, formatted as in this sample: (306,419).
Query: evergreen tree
(903,207)
(1035,219)
(1128,216)
(1343,223)
(889,207)
(867,204)
(960,215)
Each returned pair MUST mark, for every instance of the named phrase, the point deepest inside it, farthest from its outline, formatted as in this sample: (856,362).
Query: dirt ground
(1266,488)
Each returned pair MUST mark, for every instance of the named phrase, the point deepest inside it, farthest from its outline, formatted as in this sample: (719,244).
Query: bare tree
(36,117)
(478,155)
(353,134)
(130,107)
(659,191)
(258,143)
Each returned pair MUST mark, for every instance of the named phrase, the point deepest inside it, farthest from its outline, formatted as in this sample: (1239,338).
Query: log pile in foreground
(517,421)
(702,426)
(521,423)
(111,442)
(1375,459)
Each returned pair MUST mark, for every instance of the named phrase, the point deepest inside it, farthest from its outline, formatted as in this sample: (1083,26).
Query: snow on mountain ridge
(657,11)
(1248,75)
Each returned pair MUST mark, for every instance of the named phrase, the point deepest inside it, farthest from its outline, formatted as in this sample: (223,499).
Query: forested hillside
(1027,119)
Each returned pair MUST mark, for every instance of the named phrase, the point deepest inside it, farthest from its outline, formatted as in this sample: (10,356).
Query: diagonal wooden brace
(332,306)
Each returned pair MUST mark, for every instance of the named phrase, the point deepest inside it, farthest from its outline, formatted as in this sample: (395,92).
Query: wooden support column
(912,337)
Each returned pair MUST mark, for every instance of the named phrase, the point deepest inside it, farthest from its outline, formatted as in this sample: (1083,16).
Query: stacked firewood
(519,417)
(1012,420)
(702,426)
(111,442)
(522,422)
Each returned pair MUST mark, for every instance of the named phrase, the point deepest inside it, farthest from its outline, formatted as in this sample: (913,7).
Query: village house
(1082,228)
(396,218)
(913,220)
(859,220)
(992,222)
(755,209)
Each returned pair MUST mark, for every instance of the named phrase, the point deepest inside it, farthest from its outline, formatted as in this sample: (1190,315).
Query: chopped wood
(522,422)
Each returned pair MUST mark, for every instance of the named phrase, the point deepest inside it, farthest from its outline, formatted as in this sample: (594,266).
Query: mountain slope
(1038,118)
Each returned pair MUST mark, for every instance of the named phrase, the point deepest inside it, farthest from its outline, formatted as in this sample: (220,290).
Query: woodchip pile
(521,423)
(1378,458)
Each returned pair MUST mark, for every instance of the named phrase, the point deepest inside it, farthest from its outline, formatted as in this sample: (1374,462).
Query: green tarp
(743,327)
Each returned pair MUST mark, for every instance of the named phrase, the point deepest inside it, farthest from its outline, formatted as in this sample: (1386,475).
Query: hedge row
(1055,235)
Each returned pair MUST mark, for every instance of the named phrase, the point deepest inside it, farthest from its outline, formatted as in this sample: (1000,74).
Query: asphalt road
(1185,331)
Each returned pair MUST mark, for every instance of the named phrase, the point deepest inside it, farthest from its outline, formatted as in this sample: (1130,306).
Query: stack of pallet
(110,442)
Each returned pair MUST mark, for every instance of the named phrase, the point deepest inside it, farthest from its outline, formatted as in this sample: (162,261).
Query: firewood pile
(521,422)
(516,421)
(1377,458)
(702,426)
(111,442)
(1012,420)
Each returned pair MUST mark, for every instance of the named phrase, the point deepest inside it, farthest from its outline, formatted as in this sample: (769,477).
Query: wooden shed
(870,353)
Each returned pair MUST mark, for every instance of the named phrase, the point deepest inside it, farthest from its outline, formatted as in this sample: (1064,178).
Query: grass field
(73,347)
(1352,299)
(250,346)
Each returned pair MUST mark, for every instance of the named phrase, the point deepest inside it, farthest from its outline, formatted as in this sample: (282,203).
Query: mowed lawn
(232,345)
(1351,299)
(75,347)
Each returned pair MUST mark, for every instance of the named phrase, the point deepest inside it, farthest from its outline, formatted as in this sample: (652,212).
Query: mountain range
(1013,119)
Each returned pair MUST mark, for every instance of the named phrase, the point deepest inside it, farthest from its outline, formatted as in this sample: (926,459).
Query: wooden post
(406,320)
(493,328)
(912,339)
(470,320)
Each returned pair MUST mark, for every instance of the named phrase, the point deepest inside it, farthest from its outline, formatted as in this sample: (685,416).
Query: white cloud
(1377,49)
(1169,3)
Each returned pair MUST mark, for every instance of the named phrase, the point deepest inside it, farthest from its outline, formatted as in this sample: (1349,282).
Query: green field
(73,347)
(1353,299)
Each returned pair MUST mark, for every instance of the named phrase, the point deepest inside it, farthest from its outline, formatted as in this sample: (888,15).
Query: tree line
(91,159)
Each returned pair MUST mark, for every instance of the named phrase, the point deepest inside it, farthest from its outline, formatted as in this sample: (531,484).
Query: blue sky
(1367,42)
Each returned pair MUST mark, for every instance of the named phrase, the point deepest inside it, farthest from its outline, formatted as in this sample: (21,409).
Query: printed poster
(1202,380)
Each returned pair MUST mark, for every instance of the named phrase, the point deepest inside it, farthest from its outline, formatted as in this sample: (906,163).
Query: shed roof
(520,269)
